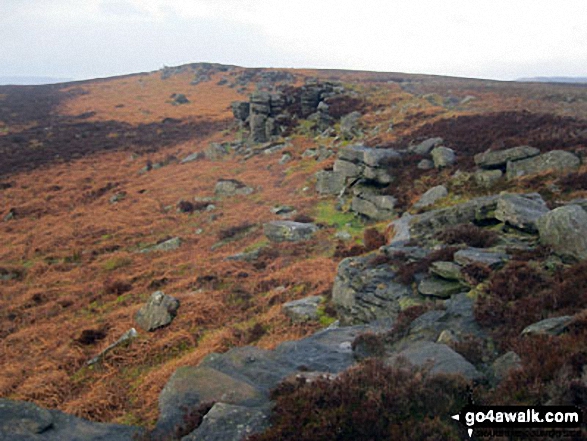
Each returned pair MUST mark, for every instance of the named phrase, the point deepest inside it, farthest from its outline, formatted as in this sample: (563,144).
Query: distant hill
(31,81)
(554,80)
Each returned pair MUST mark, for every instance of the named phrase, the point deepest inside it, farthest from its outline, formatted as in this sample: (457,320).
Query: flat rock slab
(551,326)
(159,311)
(289,231)
(499,158)
(443,359)
(304,309)
(521,211)
(255,366)
(446,270)
(227,422)
(555,160)
(480,255)
(327,351)
(564,229)
(22,421)
(437,287)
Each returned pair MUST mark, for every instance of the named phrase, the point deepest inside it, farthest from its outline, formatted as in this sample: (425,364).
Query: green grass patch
(116,262)
(326,213)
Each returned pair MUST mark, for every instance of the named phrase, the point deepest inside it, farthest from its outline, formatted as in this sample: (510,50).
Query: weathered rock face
(443,157)
(304,309)
(288,231)
(360,161)
(555,160)
(349,125)
(521,211)
(362,294)
(431,196)
(439,287)
(565,230)
(329,182)
(190,386)
(231,187)
(159,311)
(367,202)
(498,159)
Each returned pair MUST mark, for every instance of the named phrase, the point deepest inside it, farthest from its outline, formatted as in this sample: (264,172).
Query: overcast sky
(498,39)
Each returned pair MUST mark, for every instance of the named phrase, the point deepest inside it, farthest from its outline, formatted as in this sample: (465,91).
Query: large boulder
(521,211)
(458,319)
(158,312)
(289,231)
(492,259)
(190,387)
(371,163)
(431,196)
(443,157)
(565,230)
(443,360)
(499,158)
(439,287)
(555,160)
(241,110)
